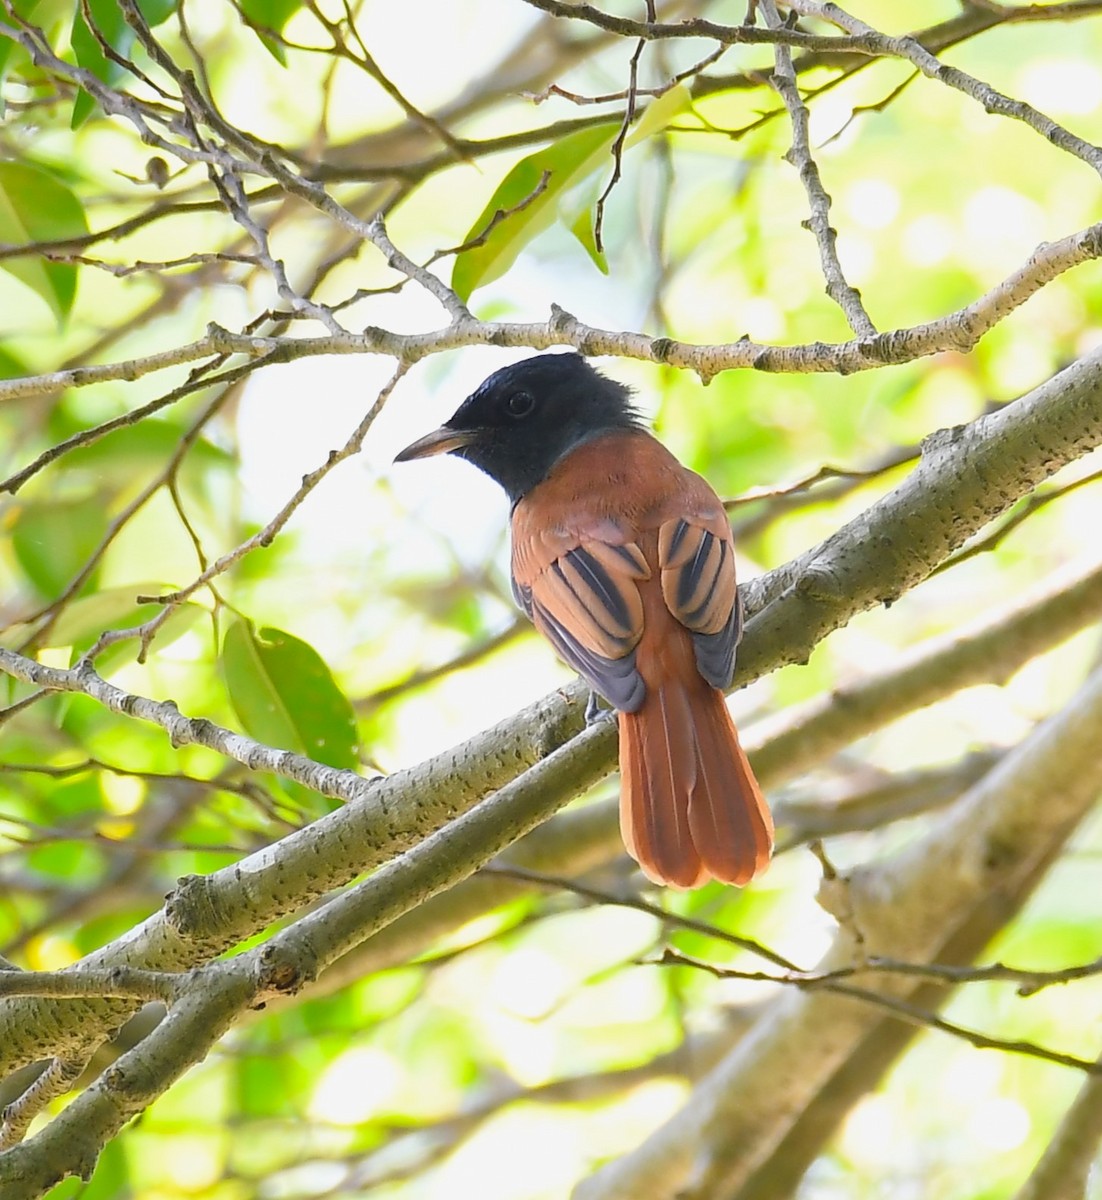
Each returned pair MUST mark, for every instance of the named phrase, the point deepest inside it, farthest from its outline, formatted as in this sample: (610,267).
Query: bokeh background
(512,1057)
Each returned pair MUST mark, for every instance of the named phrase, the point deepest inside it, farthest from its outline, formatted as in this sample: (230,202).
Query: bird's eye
(520,404)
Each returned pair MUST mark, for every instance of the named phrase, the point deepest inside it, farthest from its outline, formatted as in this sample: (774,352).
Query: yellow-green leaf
(35,207)
(579,218)
(659,113)
(83,620)
(113,28)
(528,196)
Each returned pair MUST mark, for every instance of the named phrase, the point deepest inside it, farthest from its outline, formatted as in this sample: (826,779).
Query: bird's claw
(594,712)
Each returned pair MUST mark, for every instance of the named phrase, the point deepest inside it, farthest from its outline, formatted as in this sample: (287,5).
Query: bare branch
(993,101)
(912,1013)
(88,437)
(265,536)
(1062,1173)
(45,618)
(673,921)
(377,234)
(959,330)
(991,648)
(126,983)
(1026,806)
(55,1080)
(621,136)
(799,155)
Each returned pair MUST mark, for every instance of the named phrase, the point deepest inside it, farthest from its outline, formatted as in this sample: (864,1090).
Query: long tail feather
(690,807)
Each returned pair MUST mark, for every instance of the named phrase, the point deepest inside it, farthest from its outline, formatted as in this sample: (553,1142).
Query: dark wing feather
(615,678)
(585,600)
(697,563)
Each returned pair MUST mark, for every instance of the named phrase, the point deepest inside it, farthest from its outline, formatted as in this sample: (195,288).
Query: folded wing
(697,565)
(586,602)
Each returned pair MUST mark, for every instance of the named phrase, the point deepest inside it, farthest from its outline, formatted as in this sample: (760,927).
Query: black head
(525,417)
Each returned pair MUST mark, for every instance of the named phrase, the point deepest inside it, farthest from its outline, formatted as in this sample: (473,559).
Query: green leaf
(564,164)
(133,447)
(580,219)
(53,539)
(34,207)
(11,365)
(284,694)
(112,27)
(23,8)
(270,14)
(156,12)
(658,114)
(85,619)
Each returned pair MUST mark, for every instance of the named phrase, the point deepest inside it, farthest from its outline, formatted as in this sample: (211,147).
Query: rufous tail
(690,807)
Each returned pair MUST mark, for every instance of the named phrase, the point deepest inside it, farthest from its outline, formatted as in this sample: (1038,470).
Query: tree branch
(1062,1172)
(959,330)
(799,155)
(966,477)
(992,837)
(988,650)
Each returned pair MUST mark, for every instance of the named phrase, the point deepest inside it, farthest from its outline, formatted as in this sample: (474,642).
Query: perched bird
(623,559)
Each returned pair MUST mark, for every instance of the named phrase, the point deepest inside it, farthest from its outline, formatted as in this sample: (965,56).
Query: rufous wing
(697,565)
(585,600)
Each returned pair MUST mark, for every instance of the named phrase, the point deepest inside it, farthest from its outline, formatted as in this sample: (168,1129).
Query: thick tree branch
(71,1143)
(988,650)
(869,1061)
(210,1001)
(966,477)
(575,842)
(902,905)
(1061,1173)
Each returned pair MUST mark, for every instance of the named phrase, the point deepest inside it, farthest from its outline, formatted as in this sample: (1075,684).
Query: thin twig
(621,136)
(799,155)
(473,654)
(265,536)
(46,617)
(992,100)
(499,215)
(366,61)
(377,234)
(91,435)
(122,270)
(611,97)
(672,920)
(900,1008)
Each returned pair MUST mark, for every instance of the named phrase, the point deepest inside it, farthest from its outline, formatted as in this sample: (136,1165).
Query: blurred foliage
(308,643)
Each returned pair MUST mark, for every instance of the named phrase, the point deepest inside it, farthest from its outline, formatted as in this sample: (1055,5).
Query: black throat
(527,417)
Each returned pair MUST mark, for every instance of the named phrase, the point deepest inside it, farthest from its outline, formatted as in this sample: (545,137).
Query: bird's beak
(440,441)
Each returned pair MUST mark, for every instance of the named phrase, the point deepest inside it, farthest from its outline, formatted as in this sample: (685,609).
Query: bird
(623,559)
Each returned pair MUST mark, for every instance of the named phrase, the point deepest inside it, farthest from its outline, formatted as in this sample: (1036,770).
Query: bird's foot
(594,712)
